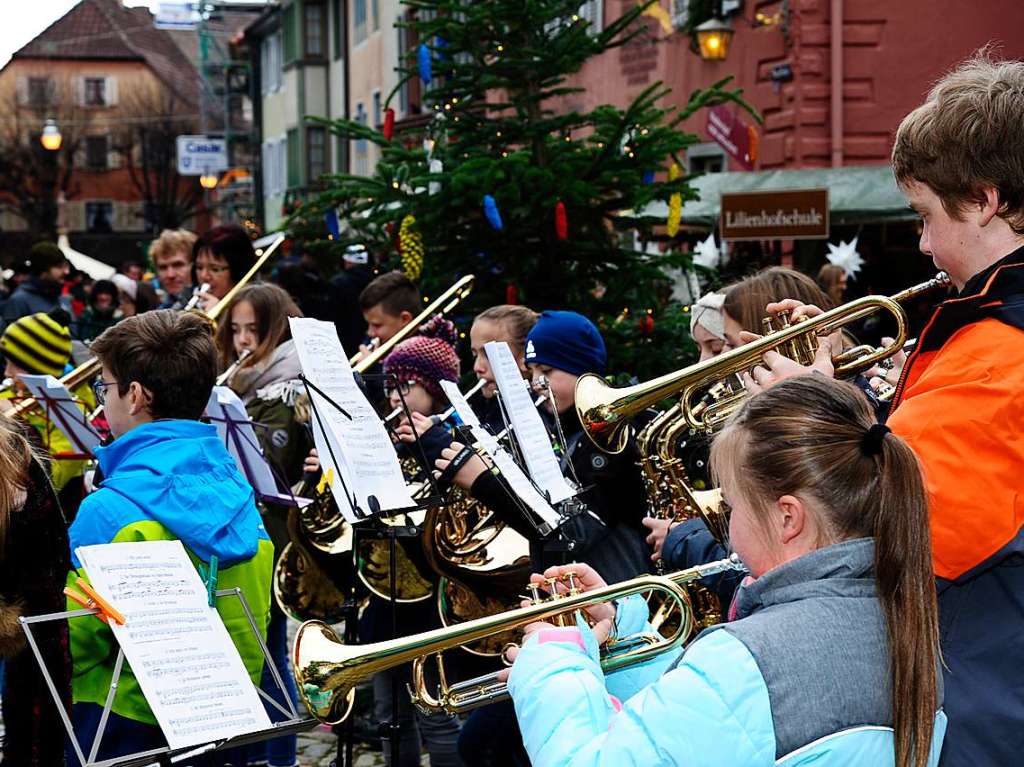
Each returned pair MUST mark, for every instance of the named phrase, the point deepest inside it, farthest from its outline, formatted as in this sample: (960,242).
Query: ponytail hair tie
(871,443)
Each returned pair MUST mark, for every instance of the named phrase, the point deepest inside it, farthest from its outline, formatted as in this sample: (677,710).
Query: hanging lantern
(50,137)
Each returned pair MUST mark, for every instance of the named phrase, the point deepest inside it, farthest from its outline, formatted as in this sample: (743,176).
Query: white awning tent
(95,269)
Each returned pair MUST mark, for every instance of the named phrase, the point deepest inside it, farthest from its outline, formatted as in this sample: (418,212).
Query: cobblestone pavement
(318,748)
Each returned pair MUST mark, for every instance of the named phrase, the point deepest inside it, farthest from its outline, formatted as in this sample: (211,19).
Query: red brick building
(832,80)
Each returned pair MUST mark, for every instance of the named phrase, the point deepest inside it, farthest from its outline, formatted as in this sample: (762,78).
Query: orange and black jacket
(960,405)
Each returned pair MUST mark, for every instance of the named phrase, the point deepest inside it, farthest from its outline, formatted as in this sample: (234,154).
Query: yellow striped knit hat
(38,343)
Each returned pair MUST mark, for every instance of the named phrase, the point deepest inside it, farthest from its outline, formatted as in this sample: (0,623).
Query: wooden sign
(791,214)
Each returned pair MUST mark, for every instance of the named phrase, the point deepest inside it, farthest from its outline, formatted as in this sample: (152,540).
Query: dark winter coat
(32,296)
(35,563)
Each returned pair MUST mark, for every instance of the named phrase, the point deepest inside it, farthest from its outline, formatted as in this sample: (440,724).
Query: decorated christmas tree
(544,204)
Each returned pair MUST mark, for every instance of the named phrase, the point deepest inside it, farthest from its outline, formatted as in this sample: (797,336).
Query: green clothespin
(210,576)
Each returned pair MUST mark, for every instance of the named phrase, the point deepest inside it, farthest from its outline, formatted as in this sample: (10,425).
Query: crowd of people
(876,620)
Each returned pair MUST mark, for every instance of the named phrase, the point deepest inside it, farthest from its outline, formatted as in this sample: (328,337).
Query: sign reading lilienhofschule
(793,214)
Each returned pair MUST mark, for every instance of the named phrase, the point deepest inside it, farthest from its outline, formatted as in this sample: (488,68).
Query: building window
(316,154)
(96,152)
(706,158)
(338,19)
(272,64)
(362,145)
(99,217)
(376,14)
(378,116)
(95,91)
(314,29)
(593,11)
(359,19)
(39,91)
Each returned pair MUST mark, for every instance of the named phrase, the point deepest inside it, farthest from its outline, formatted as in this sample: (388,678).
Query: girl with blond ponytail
(832,657)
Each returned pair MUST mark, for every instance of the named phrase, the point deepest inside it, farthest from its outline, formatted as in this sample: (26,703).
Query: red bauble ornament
(561,221)
(511,294)
(389,123)
(645,324)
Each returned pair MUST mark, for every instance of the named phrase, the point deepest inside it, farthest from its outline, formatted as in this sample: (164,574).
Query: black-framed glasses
(402,386)
(99,389)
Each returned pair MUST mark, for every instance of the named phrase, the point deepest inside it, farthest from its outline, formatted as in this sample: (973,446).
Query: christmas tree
(543,204)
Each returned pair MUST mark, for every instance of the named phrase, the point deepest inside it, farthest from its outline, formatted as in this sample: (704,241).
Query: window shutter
(111,91)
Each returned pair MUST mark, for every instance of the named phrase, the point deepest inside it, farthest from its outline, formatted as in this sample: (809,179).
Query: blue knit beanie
(566,341)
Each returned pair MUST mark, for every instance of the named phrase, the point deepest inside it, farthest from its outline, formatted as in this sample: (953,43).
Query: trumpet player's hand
(659,530)
(467,474)
(775,367)
(587,579)
(889,370)
(408,432)
(207,301)
(311,465)
(796,309)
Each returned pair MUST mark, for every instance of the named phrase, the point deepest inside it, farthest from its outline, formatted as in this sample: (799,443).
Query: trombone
(327,671)
(91,367)
(443,304)
(606,412)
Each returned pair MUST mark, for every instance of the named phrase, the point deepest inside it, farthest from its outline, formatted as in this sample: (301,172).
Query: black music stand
(63,412)
(391,533)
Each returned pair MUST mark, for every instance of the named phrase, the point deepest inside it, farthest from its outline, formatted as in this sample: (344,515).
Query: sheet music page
(225,405)
(517,480)
(176,644)
(527,427)
(65,412)
(365,456)
(459,402)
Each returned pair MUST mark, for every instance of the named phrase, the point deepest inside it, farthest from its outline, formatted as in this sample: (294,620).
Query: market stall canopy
(83,263)
(857,194)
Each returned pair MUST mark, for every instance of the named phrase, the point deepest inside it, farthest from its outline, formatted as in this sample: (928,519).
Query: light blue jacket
(715,707)
(170,480)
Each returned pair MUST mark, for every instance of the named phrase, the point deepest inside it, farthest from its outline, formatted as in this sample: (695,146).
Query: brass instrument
(327,671)
(314,573)
(90,368)
(482,563)
(606,412)
(441,305)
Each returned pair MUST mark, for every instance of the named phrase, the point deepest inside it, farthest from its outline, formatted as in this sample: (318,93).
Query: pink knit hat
(427,358)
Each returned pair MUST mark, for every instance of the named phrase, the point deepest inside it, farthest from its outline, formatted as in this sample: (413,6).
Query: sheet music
(64,409)
(176,644)
(517,480)
(365,456)
(527,427)
(241,441)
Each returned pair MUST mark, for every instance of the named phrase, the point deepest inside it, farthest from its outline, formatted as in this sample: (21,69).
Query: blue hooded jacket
(171,480)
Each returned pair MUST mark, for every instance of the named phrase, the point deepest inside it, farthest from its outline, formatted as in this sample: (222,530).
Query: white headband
(708,313)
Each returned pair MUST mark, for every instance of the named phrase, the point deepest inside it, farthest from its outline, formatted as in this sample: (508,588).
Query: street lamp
(50,137)
(208,180)
(713,37)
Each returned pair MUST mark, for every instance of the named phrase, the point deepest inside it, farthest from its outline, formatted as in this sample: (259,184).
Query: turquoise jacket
(718,703)
(170,480)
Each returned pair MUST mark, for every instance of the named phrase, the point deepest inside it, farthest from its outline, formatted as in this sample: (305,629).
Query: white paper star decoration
(706,253)
(845,255)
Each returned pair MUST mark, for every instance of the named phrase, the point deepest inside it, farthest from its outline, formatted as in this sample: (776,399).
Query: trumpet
(327,671)
(606,412)
(443,304)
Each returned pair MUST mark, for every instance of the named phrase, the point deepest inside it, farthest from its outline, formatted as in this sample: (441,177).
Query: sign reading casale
(791,214)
